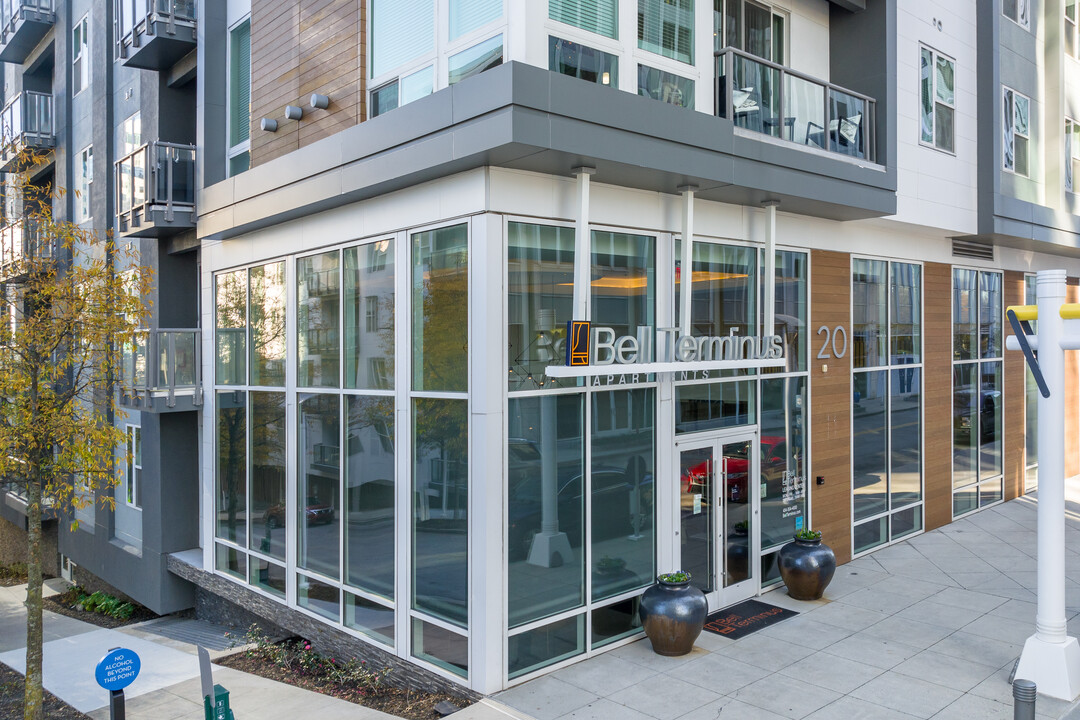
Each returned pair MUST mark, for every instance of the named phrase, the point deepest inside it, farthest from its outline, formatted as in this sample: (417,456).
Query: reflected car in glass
(316,513)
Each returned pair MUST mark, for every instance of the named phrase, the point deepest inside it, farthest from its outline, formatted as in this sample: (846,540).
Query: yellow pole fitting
(1070,311)
(1025,312)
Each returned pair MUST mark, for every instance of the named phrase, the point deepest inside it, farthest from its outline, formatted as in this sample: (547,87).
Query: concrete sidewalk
(927,628)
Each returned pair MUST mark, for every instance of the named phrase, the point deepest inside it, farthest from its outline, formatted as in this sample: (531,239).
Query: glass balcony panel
(175,174)
(804,111)
(847,123)
(138,178)
(124,175)
(140,360)
(755,96)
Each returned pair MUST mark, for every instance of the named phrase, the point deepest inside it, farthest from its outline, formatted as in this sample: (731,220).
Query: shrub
(808,534)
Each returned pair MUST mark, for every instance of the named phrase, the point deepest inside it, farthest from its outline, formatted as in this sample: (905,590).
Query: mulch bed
(411,704)
(11,700)
(64,604)
(12,575)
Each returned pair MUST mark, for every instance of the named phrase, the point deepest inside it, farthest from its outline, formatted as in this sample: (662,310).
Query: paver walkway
(926,628)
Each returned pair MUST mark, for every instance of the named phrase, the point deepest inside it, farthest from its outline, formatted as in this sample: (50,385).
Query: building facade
(359,424)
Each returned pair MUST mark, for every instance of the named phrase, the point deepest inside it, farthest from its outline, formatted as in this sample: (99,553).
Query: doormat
(746,617)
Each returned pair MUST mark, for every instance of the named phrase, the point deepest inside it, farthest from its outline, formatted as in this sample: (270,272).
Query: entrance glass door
(718,530)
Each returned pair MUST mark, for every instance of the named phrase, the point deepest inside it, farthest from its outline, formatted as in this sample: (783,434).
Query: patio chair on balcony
(845,135)
(747,108)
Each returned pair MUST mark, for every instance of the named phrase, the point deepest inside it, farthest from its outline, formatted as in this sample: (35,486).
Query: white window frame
(83,211)
(245,145)
(1005,91)
(1072,127)
(933,144)
(1071,28)
(1023,13)
(80,78)
(133,476)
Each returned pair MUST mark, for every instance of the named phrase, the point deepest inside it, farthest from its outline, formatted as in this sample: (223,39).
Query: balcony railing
(157,176)
(23,23)
(764,97)
(22,242)
(163,362)
(27,122)
(154,34)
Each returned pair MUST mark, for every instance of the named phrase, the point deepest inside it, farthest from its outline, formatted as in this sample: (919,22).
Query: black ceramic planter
(673,614)
(807,567)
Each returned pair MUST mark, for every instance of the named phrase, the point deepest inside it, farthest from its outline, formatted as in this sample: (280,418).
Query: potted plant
(672,613)
(807,565)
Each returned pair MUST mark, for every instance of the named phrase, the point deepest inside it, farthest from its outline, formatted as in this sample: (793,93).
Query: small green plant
(679,576)
(808,534)
(102,603)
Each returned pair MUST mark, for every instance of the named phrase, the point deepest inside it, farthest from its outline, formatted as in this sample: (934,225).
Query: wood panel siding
(830,405)
(301,48)
(1013,406)
(937,393)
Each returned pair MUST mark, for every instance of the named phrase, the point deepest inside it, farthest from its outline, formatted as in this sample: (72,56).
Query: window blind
(468,15)
(240,84)
(666,27)
(598,16)
(401,30)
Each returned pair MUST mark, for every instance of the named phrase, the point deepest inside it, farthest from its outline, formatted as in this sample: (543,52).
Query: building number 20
(839,349)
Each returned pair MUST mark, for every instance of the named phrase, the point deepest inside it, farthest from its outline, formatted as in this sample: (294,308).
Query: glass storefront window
(965,314)
(440,647)
(440,307)
(714,406)
(546,511)
(623,293)
(369,494)
(783,459)
(319,597)
(543,646)
(230,560)
(372,619)
(540,302)
(990,315)
(869,317)
(267,293)
(231,328)
(623,493)
(615,621)
(369,316)
(318,484)
(905,332)
(318,296)
(790,309)
(267,576)
(905,427)
(869,452)
(440,500)
(231,491)
(990,399)
(269,518)
(724,287)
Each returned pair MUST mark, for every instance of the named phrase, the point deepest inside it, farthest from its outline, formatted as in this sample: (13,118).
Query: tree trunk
(33,701)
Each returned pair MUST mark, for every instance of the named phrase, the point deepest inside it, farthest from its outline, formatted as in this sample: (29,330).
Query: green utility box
(220,709)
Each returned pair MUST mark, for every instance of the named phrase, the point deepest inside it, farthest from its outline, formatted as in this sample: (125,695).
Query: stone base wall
(223,601)
(92,583)
(13,546)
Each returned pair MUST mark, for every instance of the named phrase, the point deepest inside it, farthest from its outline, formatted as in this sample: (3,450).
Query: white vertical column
(582,245)
(686,261)
(1051,659)
(770,266)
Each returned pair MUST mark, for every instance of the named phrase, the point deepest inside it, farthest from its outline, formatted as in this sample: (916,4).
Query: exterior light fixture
(319,102)
(292,112)
(268,125)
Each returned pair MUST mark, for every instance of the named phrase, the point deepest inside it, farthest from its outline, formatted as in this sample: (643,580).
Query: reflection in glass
(540,294)
(906,331)
(965,500)
(441,647)
(543,646)
(372,619)
(790,308)
(624,281)
(440,490)
(318,484)
(318,294)
(475,60)
(665,87)
(546,507)
(1031,400)
(738,468)
(269,518)
(905,428)
(990,492)
(615,621)
(869,322)
(318,597)
(870,534)
(990,440)
(267,292)
(231,326)
(580,61)
(716,405)
(267,576)
(231,465)
(724,283)
(369,316)
(230,560)
(623,509)
(906,522)
(666,27)
(965,424)
(965,313)
(369,494)
(869,445)
(697,531)
(783,459)
(440,306)
(990,314)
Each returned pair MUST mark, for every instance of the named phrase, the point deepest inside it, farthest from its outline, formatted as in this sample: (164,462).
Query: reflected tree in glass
(231,330)
(440,305)
(232,465)
(269,518)
(317,320)
(369,316)
(267,293)
(369,488)
(318,483)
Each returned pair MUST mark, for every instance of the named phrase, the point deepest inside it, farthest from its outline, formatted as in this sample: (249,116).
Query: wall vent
(972,249)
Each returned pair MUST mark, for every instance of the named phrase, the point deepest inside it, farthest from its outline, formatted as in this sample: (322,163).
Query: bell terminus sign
(598,351)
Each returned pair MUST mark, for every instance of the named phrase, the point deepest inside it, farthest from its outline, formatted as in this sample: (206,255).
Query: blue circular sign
(118,669)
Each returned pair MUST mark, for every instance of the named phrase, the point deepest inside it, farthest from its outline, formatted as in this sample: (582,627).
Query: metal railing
(28,117)
(23,241)
(135,16)
(12,10)
(163,361)
(157,174)
(765,97)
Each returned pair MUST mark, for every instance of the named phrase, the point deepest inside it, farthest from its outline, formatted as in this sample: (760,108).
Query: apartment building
(356,409)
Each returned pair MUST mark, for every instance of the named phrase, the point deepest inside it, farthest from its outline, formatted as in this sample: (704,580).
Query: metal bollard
(1024,693)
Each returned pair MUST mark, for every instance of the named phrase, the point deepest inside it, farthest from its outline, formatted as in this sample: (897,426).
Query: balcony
(27,124)
(155,34)
(22,247)
(762,97)
(155,186)
(162,371)
(23,23)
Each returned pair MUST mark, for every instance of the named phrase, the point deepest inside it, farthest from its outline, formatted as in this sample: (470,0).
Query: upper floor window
(598,16)
(1015,133)
(133,491)
(570,58)
(80,54)
(469,15)
(666,27)
(1017,11)
(401,31)
(400,91)
(240,98)
(131,133)
(1072,45)
(937,89)
(476,59)
(1072,153)
(749,26)
(85,179)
